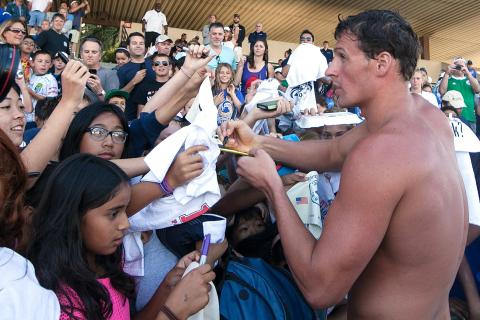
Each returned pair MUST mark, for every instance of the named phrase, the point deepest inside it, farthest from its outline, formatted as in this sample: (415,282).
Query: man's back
(412,271)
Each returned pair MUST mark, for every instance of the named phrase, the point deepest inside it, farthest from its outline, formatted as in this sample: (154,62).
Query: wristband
(166,187)
(169,313)
(185,73)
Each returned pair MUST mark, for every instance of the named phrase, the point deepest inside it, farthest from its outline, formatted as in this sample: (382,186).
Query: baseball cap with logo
(163,38)
(455,99)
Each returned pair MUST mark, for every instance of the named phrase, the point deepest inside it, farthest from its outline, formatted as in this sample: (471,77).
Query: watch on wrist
(102,93)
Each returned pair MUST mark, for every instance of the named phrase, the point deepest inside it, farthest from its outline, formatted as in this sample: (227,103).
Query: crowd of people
(111,180)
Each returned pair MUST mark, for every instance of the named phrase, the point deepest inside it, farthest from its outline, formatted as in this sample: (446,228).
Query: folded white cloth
(307,63)
(266,91)
(188,201)
(464,138)
(212,310)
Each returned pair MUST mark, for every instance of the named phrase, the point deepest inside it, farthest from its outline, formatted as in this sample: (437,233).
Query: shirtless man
(395,234)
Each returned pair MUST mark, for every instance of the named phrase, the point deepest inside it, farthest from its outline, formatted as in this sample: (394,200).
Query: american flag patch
(301,200)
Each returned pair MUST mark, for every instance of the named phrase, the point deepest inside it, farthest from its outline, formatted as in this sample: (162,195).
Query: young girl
(18,282)
(227,98)
(255,65)
(77,244)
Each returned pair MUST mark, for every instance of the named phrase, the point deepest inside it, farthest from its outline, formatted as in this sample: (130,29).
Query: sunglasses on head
(17,31)
(161,63)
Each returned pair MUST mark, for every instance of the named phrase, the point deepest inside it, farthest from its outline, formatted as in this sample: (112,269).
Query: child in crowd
(122,56)
(77,245)
(117,97)
(42,84)
(58,65)
(227,98)
(26,49)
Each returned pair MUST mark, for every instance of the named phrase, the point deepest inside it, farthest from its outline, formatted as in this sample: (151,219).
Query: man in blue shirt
(223,54)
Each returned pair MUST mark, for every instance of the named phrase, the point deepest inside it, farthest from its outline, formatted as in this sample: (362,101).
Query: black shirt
(145,91)
(52,42)
(241,34)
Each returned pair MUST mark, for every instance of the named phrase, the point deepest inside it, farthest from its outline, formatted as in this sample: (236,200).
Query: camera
(458,67)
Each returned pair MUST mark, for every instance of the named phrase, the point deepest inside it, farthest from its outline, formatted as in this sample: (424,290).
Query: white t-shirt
(45,85)
(155,21)
(39,5)
(21,296)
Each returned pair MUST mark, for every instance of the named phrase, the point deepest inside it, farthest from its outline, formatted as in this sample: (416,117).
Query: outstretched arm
(355,226)
(317,155)
(176,92)
(46,144)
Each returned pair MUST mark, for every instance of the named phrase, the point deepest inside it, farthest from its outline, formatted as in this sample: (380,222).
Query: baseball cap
(74,1)
(279,69)
(163,38)
(455,98)
(116,93)
(226,28)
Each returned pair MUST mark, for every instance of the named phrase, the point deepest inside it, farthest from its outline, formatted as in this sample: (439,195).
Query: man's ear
(384,62)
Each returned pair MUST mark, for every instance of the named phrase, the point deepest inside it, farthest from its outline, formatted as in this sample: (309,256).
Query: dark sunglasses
(161,63)
(17,31)
(306,38)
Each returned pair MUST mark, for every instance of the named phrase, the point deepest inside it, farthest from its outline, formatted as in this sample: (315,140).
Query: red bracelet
(169,313)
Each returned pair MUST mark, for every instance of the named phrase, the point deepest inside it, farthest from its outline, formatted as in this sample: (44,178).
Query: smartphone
(268,105)
(92,71)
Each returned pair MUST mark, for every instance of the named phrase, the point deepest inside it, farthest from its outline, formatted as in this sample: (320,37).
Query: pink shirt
(120,305)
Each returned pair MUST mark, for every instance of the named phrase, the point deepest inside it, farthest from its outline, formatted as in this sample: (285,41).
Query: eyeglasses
(161,63)
(17,31)
(99,134)
(306,38)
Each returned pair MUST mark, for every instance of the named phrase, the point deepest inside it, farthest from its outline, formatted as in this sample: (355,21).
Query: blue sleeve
(240,96)
(144,131)
(121,74)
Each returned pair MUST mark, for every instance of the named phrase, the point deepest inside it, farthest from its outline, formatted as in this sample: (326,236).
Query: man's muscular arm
(326,155)
(356,224)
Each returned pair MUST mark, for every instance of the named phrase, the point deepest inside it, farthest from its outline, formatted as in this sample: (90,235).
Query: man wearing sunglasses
(146,89)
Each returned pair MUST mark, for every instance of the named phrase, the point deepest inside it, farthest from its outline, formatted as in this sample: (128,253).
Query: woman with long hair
(77,244)
(227,98)
(255,65)
(21,297)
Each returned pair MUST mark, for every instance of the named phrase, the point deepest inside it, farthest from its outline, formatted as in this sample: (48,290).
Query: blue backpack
(253,289)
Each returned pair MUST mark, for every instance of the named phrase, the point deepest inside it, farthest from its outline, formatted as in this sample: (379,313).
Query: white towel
(328,119)
(266,91)
(307,64)
(212,310)
(188,201)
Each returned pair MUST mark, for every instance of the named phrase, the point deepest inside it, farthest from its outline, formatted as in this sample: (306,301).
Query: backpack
(253,289)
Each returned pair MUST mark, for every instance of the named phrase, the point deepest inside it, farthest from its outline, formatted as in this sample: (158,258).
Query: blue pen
(205,246)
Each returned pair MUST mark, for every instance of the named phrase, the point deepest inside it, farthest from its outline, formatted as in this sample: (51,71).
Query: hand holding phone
(268,105)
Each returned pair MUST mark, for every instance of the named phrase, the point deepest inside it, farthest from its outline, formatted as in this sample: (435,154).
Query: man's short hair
(215,25)
(58,15)
(306,31)
(383,30)
(325,41)
(39,52)
(134,34)
(91,39)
